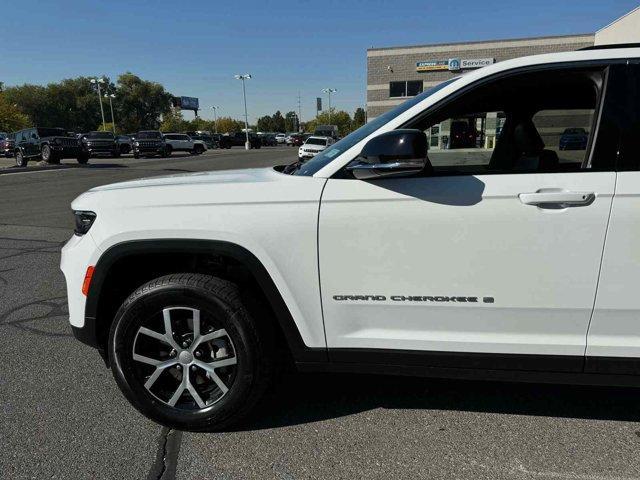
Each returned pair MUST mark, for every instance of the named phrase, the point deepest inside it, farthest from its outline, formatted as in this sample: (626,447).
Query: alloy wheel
(191,364)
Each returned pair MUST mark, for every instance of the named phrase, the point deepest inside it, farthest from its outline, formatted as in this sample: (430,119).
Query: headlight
(137,144)
(84,220)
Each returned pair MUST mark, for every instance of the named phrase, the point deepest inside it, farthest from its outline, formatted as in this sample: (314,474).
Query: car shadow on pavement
(303,398)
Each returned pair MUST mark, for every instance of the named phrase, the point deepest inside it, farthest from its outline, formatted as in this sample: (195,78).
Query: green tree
(265,124)
(340,118)
(359,118)
(229,125)
(173,121)
(291,122)
(140,103)
(278,122)
(11,118)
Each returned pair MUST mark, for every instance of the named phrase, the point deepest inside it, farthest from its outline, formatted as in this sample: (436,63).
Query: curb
(38,168)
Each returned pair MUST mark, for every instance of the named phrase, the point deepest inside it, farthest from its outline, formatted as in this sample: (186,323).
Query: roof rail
(612,45)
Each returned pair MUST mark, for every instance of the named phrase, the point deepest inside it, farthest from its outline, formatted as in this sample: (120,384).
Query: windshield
(51,132)
(149,135)
(316,141)
(327,155)
(105,135)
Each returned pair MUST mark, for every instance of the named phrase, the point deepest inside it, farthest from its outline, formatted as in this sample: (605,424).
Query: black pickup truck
(238,139)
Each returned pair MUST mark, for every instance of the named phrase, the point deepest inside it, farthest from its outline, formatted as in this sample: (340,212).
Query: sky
(194,48)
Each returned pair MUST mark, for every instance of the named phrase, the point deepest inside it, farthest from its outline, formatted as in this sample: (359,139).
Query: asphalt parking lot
(64,417)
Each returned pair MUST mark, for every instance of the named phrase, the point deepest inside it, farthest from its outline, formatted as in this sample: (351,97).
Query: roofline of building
(618,19)
(480,42)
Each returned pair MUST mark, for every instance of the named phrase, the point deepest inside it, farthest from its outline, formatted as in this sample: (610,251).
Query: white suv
(179,142)
(313,146)
(497,255)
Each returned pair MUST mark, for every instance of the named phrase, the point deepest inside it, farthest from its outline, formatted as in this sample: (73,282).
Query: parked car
(574,139)
(208,138)
(297,139)
(239,139)
(48,144)
(179,142)
(463,135)
(7,142)
(281,138)
(99,143)
(268,140)
(148,143)
(326,131)
(125,143)
(370,258)
(313,146)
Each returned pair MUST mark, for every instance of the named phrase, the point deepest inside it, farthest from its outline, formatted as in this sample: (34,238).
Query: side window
(402,89)
(531,122)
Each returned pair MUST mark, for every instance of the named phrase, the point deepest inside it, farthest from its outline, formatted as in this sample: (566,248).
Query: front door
(496,251)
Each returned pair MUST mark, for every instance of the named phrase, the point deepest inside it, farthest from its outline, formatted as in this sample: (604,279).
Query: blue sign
(454,64)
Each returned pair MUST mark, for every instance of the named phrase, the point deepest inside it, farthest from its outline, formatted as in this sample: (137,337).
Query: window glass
(535,122)
(397,89)
(414,88)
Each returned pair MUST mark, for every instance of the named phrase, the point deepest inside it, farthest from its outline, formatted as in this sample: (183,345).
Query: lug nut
(198,354)
(193,368)
(185,344)
(172,353)
(179,367)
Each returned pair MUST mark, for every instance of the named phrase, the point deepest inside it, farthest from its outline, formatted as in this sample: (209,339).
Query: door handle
(558,199)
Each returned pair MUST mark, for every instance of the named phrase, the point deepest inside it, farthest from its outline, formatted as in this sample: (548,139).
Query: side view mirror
(392,154)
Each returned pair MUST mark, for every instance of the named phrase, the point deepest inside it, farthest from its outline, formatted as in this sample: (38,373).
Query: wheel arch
(106,276)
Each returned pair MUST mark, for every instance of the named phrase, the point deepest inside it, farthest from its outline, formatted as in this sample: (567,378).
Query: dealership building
(397,73)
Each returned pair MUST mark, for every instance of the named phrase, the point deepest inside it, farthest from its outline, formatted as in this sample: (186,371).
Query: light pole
(215,117)
(244,77)
(111,96)
(329,91)
(97,82)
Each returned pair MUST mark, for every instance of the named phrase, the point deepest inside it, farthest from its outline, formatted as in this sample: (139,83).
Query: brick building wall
(385,65)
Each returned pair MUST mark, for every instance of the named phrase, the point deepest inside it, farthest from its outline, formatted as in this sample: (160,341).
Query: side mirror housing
(392,154)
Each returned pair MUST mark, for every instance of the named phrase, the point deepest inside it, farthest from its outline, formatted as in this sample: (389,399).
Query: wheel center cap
(185,357)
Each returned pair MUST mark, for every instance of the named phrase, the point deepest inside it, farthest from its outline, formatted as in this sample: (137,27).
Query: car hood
(317,148)
(255,175)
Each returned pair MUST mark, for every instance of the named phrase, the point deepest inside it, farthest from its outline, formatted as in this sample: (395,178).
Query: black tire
(20,160)
(167,151)
(83,159)
(116,153)
(49,155)
(136,155)
(215,299)
(198,149)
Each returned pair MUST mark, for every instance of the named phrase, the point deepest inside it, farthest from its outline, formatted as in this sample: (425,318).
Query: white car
(180,142)
(504,258)
(281,138)
(313,146)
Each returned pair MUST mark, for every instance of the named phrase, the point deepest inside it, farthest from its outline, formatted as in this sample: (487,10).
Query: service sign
(470,63)
(431,65)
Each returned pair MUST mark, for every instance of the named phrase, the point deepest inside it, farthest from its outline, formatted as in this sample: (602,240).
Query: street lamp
(111,96)
(329,91)
(215,117)
(98,82)
(244,77)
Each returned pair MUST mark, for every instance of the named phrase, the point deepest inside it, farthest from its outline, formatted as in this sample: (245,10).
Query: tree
(11,119)
(291,122)
(229,125)
(278,122)
(140,103)
(359,118)
(173,121)
(72,104)
(339,118)
(265,124)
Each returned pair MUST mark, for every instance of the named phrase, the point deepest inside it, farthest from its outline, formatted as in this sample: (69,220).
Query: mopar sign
(454,64)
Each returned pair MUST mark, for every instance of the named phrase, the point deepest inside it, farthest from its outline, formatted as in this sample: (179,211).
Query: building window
(409,88)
